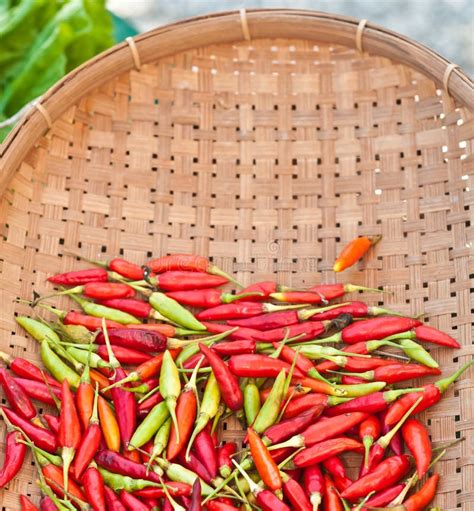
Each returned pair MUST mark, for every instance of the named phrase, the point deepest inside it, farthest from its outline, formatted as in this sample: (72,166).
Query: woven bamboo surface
(267,155)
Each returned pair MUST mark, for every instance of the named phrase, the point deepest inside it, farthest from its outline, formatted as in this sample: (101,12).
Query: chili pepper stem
(446,382)
(67,455)
(367,442)
(214,270)
(174,504)
(306,314)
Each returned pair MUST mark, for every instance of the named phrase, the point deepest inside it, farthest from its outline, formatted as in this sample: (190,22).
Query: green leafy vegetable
(41,41)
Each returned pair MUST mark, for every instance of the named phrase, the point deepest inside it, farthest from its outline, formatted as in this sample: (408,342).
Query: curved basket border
(220,28)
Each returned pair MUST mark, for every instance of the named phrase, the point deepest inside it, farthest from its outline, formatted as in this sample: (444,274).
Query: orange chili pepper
(69,429)
(109,425)
(186,410)
(353,251)
(264,463)
(102,381)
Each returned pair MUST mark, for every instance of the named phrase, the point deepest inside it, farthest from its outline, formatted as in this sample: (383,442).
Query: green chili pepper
(315,351)
(58,369)
(37,329)
(161,440)
(170,386)
(101,311)
(416,352)
(181,474)
(209,408)
(362,389)
(172,310)
(76,334)
(150,425)
(271,407)
(120,482)
(83,357)
(252,403)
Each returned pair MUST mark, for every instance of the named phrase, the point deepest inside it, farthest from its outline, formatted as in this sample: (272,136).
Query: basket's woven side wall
(268,156)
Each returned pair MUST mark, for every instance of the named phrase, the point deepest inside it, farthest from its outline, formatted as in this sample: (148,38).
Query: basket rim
(54,102)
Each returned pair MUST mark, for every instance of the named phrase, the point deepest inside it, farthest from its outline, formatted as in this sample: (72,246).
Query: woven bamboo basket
(264,139)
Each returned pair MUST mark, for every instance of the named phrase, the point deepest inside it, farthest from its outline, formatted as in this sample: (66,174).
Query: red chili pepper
(369,431)
(266,288)
(206,452)
(113,502)
(124,355)
(93,484)
(355,309)
(195,504)
(135,339)
(214,505)
(299,405)
(295,494)
(177,281)
(126,407)
(386,474)
(417,440)
(41,437)
(354,251)
(289,427)
(336,469)
(47,504)
(259,366)
(90,322)
(135,307)
(233,310)
(224,349)
(419,500)
(126,268)
(39,391)
(77,278)
(205,298)
(383,497)
(269,321)
(27,370)
(132,503)
(330,428)
(311,297)
(375,328)
(314,485)
(228,384)
(26,504)
(69,429)
(310,329)
(241,334)
(427,333)
(15,452)
(332,501)
(145,407)
(186,262)
(372,403)
(431,395)
(395,372)
(224,458)
(119,464)
(104,290)
(191,462)
(264,463)
(17,397)
(176,489)
(362,348)
(326,449)
(53,423)
(89,444)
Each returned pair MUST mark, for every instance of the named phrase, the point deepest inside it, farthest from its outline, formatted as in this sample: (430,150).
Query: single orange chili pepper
(264,463)
(186,410)
(353,251)
(85,397)
(109,425)
(69,429)
(332,501)
(102,381)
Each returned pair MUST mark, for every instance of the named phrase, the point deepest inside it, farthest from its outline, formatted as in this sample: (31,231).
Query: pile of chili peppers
(154,360)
